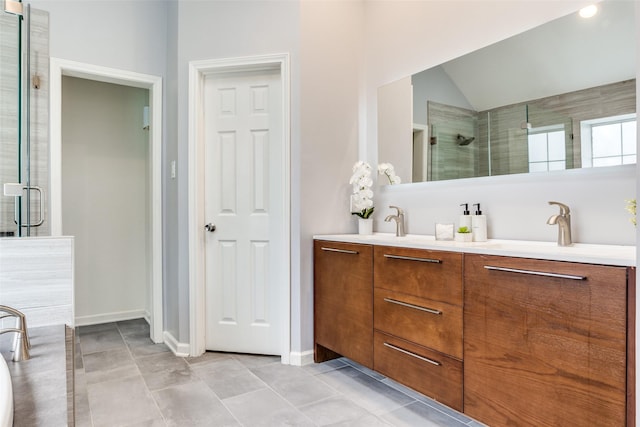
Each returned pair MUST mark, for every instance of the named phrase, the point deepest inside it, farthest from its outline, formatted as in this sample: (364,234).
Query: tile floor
(40,383)
(123,379)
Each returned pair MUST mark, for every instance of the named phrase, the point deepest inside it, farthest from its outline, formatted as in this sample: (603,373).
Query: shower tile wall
(508,146)
(571,108)
(39,116)
(449,160)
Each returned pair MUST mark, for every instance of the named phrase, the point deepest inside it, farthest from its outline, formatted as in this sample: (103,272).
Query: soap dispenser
(479,225)
(465,218)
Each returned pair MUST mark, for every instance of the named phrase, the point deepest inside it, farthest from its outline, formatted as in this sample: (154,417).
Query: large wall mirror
(559,96)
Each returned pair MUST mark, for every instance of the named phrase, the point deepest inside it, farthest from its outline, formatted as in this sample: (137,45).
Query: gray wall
(172,288)
(127,35)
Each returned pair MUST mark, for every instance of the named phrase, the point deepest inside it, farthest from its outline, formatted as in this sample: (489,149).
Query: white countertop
(578,252)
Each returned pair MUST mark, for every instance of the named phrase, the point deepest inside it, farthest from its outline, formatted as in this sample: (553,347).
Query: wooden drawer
(435,275)
(343,301)
(433,324)
(545,342)
(431,373)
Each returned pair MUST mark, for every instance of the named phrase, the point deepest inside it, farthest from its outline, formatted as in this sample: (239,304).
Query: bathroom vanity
(508,332)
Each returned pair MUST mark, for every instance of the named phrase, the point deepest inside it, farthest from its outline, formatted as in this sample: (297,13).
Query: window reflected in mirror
(609,141)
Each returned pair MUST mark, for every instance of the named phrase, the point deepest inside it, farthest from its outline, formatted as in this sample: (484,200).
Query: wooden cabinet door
(343,301)
(544,342)
(435,275)
(433,324)
(432,373)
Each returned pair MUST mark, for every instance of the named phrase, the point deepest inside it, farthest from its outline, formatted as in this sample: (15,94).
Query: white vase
(365,226)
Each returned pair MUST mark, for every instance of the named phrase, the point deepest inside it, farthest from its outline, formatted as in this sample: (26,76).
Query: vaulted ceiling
(568,54)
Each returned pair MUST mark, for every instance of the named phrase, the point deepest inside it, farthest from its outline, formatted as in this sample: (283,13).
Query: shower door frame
(61,67)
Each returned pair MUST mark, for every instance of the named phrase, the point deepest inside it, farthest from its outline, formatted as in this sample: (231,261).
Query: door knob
(210,228)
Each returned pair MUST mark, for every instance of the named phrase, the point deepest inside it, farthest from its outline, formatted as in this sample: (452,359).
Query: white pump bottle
(479,225)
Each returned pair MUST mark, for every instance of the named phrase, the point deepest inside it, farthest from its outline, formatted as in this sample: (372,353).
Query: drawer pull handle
(536,273)
(410,258)
(342,251)
(417,307)
(402,350)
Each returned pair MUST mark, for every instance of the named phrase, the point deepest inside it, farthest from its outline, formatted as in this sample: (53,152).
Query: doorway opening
(111,176)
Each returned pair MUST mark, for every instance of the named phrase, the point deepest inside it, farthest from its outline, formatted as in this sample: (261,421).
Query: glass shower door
(22,204)
(10,124)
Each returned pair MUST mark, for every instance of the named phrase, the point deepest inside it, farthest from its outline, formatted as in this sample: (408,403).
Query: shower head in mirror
(463,140)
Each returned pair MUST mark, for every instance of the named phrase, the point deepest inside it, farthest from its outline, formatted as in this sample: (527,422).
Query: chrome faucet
(21,344)
(563,220)
(399,219)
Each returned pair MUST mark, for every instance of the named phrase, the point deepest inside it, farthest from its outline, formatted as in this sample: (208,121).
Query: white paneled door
(244,171)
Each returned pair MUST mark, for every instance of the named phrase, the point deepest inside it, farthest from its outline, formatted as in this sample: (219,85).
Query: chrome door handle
(41,217)
(210,228)
(21,190)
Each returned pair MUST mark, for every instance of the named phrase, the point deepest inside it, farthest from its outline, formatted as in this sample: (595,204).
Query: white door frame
(198,70)
(61,67)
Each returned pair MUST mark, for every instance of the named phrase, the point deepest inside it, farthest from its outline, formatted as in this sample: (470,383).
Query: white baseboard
(301,358)
(178,348)
(111,317)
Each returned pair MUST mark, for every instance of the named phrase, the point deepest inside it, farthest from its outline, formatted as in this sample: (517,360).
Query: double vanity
(507,332)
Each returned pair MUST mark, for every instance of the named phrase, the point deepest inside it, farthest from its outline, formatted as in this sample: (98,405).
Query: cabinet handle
(342,251)
(402,350)
(417,307)
(409,258)
(536,273)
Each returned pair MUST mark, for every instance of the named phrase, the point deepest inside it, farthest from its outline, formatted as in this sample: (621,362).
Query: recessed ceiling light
(589,11)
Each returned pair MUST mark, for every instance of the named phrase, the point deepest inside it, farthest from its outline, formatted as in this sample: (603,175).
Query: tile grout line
(281,396)
(216,395)
(344,396)
(86,386)
(164,421)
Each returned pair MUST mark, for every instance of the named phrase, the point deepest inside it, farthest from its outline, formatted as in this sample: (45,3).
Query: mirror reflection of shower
(453,142)
(24,126)
(464,140)
(519,138)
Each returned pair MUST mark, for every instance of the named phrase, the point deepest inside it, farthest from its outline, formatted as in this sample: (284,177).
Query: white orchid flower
(387,170)
(362,198)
